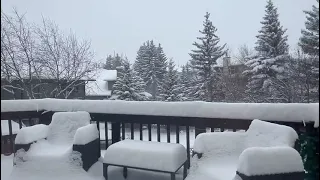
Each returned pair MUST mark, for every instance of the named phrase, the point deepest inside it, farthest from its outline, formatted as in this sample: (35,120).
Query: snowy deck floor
(95,173)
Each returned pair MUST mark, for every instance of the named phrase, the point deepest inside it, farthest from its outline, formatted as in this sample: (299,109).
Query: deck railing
(148,127)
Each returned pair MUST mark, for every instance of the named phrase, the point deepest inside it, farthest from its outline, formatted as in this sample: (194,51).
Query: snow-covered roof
(5,127)
(99,87)
(109,75)
(290,112)
(103,74)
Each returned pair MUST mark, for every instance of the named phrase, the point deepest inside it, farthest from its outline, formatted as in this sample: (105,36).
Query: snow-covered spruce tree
(112,62)
(169,89)
(184,83)
(268,80)
(309,152)
(203,60)
(309,42)
(140,60)
(161,63)
(129,86)
(151,66)
(109,63)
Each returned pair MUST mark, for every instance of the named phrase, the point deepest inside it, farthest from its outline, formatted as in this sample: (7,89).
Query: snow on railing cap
(291,112)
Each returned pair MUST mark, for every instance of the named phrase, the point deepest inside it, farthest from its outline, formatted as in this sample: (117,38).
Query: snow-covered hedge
(293,112)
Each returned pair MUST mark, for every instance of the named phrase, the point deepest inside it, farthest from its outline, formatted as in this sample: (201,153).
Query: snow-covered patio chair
(216,155)
(69,136)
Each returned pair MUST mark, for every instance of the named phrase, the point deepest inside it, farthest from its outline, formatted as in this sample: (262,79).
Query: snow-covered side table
(145,155)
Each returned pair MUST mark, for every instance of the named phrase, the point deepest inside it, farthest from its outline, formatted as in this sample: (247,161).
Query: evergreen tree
(151,66)
(113,62)
(271,39)
(203,60)
(309,42)
(161,63)
(169,90)
(267,70)
(109,63)
(309,152)
(129,86)
(117,61)
(184,83)
(140,60)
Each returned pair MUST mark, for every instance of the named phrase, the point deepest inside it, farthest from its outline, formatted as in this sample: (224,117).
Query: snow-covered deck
(190,118)
(94,173)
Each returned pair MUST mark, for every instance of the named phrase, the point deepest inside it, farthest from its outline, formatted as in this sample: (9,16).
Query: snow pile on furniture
(5,127)
(31,134)
(86,134)
(226,143)
(64,125)
(135,153)
(292,112)
(51,154)
(216,154)
(265,134)
(271,160)
(56,137)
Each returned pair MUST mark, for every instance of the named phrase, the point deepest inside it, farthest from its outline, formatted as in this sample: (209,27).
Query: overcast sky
(123,25)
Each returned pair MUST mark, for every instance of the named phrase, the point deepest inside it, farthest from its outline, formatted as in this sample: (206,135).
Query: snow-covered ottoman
(145,155)
(264,163)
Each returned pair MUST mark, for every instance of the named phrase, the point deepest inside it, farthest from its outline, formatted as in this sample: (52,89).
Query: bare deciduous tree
(18,52)
(243,52)
(33,56)
(66,60)
(305,84)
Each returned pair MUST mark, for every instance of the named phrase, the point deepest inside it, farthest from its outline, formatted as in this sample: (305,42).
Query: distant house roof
(108,75)
(5,127)
(99,87)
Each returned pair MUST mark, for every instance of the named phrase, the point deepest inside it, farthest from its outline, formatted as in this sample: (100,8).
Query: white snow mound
(145,154)
(65,124)
(31,134)
(265,134)
(86,134)
(269,160)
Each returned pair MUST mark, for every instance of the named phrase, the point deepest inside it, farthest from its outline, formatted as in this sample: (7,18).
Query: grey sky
(123,25)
